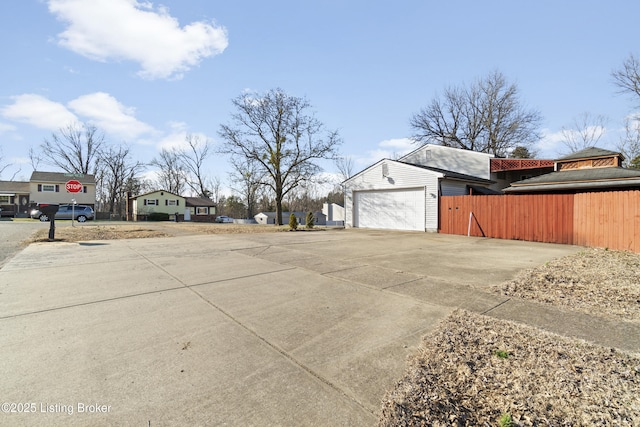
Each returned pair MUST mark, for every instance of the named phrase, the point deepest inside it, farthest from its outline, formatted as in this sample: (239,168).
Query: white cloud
(99,108)
(177,138)
(38,111)
(130,30)
(104,111)
(5,127)
(387,149)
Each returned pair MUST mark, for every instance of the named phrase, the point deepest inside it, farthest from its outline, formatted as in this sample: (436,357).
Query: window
(47,188)
(150,202)
(171,203)
(202,210)
(4,200)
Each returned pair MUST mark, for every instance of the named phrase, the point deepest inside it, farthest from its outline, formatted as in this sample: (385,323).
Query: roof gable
(14,187)
(156,191)
(198,201)
(591,152)
(39,176)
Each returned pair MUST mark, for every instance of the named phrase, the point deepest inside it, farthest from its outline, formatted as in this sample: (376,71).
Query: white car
(223,218)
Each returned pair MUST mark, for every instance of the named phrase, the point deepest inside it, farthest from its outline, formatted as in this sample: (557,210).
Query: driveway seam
(266,342)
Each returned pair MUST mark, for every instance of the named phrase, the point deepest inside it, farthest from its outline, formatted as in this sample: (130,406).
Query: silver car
(80,213)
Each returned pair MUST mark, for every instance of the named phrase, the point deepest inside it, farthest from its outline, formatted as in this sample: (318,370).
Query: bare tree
(586,131)
(216,189)
(276,132)
(4,166)
(35,158)
(74,149)
(172,175)
(629,144)
(193,159)
(117,172)
(627,78)
(486,116)
(345,167)
(246,180)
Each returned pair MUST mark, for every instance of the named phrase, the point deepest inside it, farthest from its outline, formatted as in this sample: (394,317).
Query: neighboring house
(334,213)
(199,209)
(14,199)
(506,171)
(18,197)
(403,194)
(49,187)
(591,169)
(156,201)
(270,218)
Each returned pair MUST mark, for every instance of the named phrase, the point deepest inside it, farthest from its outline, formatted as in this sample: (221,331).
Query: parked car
(80,213)
(223,218)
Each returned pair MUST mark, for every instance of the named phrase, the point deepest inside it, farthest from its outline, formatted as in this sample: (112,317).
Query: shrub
(309,220)
(293,222)
(158,216)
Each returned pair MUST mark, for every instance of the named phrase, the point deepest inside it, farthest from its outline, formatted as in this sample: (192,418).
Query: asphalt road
(12,234)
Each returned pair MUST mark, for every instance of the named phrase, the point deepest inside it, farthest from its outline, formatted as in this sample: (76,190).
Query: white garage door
(394,210)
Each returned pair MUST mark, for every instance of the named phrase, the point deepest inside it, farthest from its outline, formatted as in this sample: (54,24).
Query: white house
(49,187)
(160,201)
(334,213)
(403,194)
(270,218)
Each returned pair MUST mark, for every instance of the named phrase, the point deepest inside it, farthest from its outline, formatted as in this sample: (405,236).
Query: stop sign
(73,186)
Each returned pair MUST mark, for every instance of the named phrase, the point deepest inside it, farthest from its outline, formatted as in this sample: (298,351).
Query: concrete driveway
(304,328)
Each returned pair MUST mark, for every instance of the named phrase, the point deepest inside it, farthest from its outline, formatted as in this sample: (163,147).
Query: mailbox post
(50,211)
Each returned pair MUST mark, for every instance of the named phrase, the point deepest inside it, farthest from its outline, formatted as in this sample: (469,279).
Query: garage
(401,209)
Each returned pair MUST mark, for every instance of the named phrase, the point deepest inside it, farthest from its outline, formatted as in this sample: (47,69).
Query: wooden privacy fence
(601,219)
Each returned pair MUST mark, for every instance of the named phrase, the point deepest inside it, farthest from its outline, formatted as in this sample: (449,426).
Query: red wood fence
(601,219)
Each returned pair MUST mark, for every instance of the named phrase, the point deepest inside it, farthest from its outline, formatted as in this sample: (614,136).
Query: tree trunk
(278,204)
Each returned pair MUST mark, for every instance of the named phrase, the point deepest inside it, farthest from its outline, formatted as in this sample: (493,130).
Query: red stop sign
(73,186)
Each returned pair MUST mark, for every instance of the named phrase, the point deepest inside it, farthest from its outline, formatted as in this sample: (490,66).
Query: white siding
(452,159)
(398,177)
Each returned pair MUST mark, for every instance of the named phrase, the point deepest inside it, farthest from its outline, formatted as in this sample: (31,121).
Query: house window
(150,202)
(171,202)
(48,188)
(4,200)
(202,210)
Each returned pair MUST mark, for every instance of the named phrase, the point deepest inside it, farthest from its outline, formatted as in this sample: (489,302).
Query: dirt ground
(141,230)
(474,370)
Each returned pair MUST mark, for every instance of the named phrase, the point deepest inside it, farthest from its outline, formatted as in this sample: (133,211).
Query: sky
(147,73)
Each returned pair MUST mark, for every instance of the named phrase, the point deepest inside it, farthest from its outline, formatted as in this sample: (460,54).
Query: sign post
(73,186)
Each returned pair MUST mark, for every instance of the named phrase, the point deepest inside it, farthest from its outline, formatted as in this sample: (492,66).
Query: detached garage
(404,209)
(395,195)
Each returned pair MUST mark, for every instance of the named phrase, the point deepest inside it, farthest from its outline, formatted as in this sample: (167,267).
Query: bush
(309,220)
(158,216)
(293,222)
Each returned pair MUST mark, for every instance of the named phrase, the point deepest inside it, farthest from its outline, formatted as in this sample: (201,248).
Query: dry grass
(460,379)
(473,369)
(595,281)
(141,230)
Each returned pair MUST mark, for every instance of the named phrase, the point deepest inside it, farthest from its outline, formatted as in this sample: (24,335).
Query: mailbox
(50,211)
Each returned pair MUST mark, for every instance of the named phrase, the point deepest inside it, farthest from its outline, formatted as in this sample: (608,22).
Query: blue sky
(148,72)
